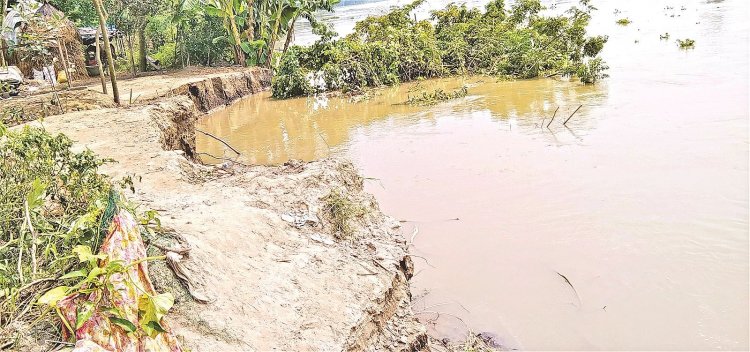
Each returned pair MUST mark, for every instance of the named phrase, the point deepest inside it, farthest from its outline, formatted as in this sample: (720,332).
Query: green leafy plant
(52,202)
(515,42)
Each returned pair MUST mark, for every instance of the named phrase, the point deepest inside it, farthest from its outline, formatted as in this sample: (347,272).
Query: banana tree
(228,10)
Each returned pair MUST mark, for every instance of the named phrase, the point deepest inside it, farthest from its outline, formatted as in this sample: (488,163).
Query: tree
(228,10)
(107,49)
(306,9)
(79,11)
(133,16)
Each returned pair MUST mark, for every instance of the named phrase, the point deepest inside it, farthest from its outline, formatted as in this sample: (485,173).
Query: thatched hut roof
(47,10)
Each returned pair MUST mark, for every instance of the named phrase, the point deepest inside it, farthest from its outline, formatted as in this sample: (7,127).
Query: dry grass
(341,212)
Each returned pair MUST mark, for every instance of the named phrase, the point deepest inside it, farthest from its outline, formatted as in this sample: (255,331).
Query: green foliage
(166,55)
(81,12)
(686,43)
(592,71)
(508,42)
(436,96)
(55,208)
(50,204)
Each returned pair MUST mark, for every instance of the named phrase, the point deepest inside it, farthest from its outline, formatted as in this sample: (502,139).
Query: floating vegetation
(436,96)
(624,21)
(514,42)
(686,43)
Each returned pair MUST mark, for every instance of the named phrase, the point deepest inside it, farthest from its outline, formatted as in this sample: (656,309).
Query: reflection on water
(641,201)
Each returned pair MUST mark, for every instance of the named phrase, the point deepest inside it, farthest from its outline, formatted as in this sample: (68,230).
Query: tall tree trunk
(289,35)
(99,61)
(108,50)
(239,55)
(142,48)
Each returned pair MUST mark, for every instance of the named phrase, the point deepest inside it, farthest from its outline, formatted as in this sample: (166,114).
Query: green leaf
(156,326)
(123,323)
(213,11)
(52,296)
(245,47)
(114,266)
(85,255)
(152,309)
(35,197)
(85,311)
(72,274)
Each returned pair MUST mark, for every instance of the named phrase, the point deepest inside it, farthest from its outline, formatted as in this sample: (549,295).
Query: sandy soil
(272,285)
(87,94)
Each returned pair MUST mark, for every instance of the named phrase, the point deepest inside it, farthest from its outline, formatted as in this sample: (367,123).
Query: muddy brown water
(641,201)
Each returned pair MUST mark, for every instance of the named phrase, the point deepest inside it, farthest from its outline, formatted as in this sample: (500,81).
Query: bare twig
(423,258)
(571,115)
(221,158)
(439,314)
(553,117)
(220,140)
(571,286)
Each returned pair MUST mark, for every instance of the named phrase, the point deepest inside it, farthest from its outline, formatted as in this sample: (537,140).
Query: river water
(641,202)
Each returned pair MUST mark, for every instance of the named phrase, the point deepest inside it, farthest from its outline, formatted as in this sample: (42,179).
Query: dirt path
(272,285)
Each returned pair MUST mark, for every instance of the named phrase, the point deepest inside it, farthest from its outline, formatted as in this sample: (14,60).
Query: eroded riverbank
(272,285)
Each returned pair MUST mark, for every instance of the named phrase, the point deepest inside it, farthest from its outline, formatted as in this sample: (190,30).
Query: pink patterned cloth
(98,333)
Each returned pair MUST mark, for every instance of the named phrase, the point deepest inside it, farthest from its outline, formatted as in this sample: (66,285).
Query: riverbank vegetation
(179,33)
(53,200)
(514,42)
(55,211)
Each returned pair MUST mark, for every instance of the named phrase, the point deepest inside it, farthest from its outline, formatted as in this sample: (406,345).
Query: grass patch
(342,212)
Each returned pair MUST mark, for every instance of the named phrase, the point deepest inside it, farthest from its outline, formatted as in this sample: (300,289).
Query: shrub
(51,200)
(383,50)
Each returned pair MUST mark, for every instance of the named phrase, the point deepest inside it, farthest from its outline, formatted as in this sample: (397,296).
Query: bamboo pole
(108,50)
(99,62)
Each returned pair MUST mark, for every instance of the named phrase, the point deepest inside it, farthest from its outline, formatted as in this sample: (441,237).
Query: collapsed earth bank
(270,282)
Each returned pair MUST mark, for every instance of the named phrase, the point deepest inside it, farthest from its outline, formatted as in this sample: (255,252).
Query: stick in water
(220,140)
(553,117)
(571,115)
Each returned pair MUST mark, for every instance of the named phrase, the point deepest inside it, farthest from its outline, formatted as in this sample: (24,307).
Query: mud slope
(273,285)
